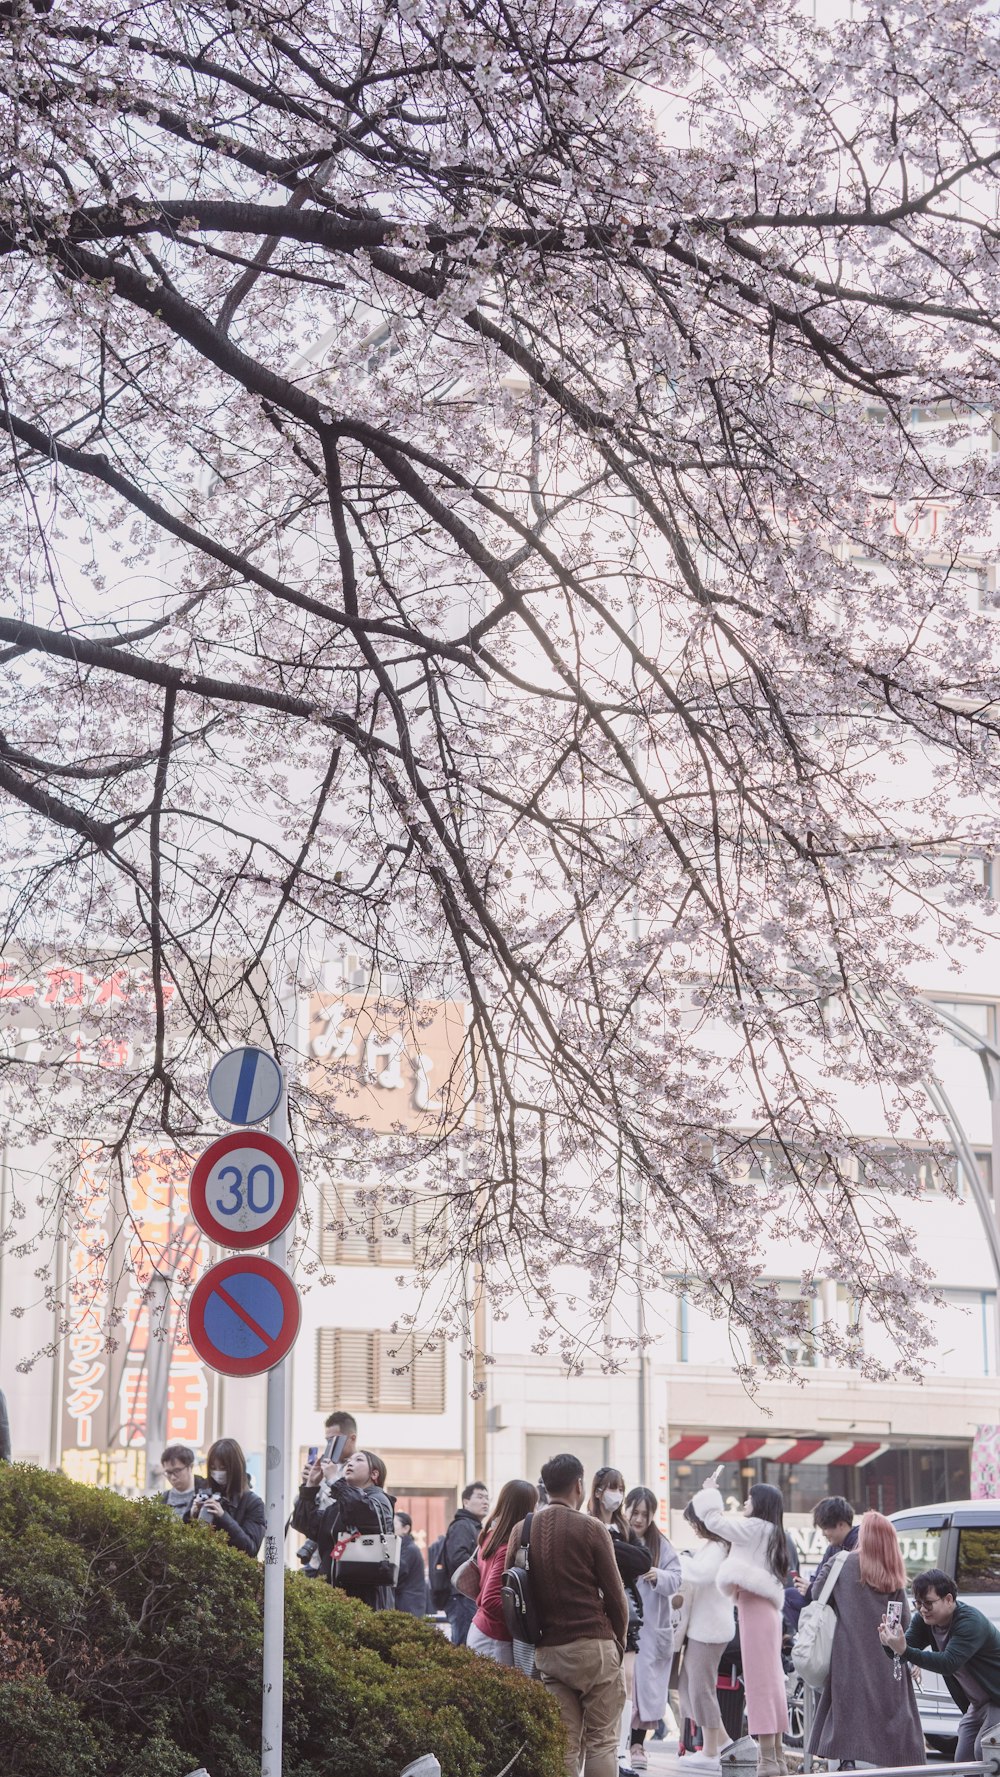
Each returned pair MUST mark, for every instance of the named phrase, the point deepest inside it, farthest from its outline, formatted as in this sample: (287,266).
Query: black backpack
(438,1577)
(520,1612)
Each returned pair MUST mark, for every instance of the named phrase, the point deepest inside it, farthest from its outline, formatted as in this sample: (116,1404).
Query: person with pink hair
(867,1712)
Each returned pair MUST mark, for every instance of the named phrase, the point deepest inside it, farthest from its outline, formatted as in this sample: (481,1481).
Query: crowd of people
(623,1615)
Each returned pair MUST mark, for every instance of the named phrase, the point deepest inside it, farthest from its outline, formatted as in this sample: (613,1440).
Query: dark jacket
(632,1558)
(974,1642)
(411,1587)
(350,1508)
(461,1539)
(821,1575)
(243,1521)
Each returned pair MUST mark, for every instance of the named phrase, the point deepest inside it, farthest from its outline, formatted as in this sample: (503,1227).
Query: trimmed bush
(130,1646)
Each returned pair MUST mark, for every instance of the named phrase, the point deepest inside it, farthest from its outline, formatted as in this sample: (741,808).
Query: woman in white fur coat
(753,1575)
(710,1629)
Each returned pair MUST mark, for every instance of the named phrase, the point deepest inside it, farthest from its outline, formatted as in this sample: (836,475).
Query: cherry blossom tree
(495,489)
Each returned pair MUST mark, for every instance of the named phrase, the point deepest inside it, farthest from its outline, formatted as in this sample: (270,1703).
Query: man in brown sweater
(584,1619)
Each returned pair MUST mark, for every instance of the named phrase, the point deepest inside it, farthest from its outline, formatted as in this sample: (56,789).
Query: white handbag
(812,1649)
(370,1557)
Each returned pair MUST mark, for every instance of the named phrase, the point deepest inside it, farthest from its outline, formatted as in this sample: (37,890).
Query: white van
(963,1538)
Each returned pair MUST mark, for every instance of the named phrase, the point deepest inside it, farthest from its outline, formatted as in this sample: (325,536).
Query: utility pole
(275,1461)
(158,1352)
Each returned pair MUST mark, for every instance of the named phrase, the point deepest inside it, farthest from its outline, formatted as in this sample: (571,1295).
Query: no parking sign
(244,1316)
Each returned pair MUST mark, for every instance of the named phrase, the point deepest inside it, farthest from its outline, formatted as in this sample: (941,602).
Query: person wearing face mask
(232,1506)
(632,1558)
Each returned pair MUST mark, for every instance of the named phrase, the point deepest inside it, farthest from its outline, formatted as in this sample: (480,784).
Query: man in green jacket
(963,1645)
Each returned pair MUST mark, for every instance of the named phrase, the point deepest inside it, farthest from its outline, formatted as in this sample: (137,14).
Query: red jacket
(489,1618)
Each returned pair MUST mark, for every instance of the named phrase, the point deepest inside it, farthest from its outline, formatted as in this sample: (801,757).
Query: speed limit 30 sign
(244,1189)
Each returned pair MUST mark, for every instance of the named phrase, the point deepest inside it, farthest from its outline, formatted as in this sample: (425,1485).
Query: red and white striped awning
(824,1452)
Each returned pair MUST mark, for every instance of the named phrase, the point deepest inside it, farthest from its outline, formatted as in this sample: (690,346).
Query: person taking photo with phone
(358,1507)
(959,1642)
(321,1469)
(753,1574)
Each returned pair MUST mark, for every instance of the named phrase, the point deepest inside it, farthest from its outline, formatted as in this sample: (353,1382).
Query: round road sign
(243,1316)
(245,1086)
(244,1189)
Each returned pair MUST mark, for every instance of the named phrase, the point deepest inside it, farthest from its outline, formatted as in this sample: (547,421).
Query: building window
(378,1372)
(357,1227)
(964,1328)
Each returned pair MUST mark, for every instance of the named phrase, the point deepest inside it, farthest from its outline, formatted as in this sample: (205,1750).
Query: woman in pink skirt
(753,1574)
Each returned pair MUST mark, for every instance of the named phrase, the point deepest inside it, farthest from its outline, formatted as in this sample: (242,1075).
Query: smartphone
(335,1448)
(893,1614)
(717,1475)
(312,1454)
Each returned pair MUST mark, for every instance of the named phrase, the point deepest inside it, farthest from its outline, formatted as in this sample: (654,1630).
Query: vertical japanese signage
(117,1243)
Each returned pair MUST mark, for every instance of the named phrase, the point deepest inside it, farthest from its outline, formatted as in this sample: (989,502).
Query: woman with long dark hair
(632,1558)
(710,1628)
(359,1507)
(231,1505)
(753,1574)
(867,1712)
(488,1632)
(656,1588)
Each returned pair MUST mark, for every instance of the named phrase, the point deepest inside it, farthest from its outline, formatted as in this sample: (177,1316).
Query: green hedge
(130,1646)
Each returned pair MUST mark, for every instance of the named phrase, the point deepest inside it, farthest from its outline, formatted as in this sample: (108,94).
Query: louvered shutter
(354,1384)
(427,1377)
(342,1207)
(396,1243)
(395,1384)
(326,1369)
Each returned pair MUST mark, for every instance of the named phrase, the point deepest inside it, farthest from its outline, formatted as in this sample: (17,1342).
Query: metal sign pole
(274,1535)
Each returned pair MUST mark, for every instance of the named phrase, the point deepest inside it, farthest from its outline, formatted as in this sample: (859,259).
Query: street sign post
(244,1189)
(245,1086)
(244,1316)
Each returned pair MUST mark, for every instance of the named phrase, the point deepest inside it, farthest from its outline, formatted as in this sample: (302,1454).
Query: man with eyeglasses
(962,1644)
(177,1463)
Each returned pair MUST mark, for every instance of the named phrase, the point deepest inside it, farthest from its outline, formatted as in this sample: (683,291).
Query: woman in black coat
(358,1502)
(233,1507)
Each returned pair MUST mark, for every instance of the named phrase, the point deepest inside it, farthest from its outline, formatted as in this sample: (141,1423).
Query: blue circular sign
(245,1086)
(244,1316)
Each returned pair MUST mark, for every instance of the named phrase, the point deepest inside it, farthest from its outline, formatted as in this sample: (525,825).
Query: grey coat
(864,1712)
